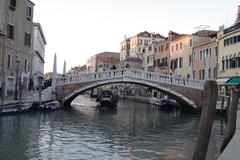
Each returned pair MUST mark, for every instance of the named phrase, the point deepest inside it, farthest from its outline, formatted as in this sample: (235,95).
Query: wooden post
(210,94)
(222,104)
(231,123)
(40,90)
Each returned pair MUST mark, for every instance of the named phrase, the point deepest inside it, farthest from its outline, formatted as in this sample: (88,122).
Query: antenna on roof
(202,27)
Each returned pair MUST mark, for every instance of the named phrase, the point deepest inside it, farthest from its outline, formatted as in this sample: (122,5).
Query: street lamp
(16,84)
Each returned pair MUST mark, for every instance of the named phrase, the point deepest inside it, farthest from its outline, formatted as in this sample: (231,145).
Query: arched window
(209,73)
(227,62)
(203,74)
(223,63)
(238,59)
(200,73)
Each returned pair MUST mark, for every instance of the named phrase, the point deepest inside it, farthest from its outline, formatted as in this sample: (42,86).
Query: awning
(222,81)
(234,81)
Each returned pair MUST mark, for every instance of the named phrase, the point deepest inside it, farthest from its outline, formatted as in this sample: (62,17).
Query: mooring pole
(210,94)
(232,117)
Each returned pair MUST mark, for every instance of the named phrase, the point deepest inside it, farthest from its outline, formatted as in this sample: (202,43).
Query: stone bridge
(186,91)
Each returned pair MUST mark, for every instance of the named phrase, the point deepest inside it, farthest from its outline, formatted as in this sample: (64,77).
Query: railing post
(210,94)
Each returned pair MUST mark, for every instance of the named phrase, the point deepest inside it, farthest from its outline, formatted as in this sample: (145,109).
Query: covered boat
(107,98)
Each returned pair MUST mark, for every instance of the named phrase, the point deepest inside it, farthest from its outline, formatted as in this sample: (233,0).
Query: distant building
(125,49)
(78,70)
(135,63)
(229,50)
(204,59)
(39,43)
(103,61)
(49,75)
(92,64)
(16,22)
(134,47)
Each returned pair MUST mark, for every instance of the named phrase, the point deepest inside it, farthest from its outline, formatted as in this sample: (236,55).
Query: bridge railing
(131,73)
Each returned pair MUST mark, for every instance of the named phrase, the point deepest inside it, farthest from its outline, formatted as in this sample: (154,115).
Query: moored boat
(50,106)
(164,104)
(16,108)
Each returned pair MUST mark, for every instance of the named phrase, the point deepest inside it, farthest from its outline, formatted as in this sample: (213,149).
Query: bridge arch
(69,96)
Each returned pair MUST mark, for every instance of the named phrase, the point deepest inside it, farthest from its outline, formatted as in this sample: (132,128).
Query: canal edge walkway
(231,152)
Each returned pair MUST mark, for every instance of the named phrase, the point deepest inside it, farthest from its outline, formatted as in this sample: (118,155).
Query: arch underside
(177,96)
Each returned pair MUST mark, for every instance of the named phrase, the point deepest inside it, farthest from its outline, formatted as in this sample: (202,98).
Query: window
(172,48)
(176,47)
(161,48)
(9,61)
(200,74)
(223,65)
(139,41)
(238,61)
(203,74)
(227,63)
(200,55)
(216,51)
(143,50)
(238,38)
(25,64)
(210,52)
(190,60)
(190,43)
(207,53)
(235,39)
(155,50)
(193,74)
(139,49)
(231,40)
(180,62)
(29,13)
(27,39)
(209,73)
(166,46)
(150,48)
(12,5)
(147,59)
(215,73)
(227,41)
(146,42)
(10,32)
(180,45)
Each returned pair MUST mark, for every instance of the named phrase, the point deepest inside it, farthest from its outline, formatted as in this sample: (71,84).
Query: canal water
(132,131)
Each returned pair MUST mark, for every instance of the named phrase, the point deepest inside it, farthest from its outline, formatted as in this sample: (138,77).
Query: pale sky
(78,29)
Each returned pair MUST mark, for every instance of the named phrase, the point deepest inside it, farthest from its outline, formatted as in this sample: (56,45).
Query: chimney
(238,14)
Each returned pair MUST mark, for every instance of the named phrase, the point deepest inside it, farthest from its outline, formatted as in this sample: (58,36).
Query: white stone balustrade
(131,73)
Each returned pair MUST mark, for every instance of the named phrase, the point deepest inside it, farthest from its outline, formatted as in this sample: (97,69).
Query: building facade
(181,52)
(162,54)
(229,51)
(205,59)
(39,43)
(16,20)
(136,45)
(78,70)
